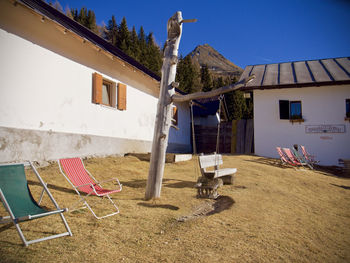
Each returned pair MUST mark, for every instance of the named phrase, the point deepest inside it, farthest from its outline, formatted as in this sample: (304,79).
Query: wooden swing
(210,180)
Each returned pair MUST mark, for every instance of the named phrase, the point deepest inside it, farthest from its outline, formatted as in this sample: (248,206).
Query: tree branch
(212,93)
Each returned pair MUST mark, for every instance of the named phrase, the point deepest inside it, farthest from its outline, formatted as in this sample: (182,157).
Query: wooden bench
(212,179)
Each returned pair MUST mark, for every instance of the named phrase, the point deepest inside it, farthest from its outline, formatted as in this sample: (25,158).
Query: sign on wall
(323,128)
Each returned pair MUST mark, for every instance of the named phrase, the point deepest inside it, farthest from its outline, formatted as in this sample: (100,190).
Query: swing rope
(194,148)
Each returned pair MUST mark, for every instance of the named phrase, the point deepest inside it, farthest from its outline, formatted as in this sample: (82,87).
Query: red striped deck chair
(74,171)
(308,157)
(283,157)
(294,159)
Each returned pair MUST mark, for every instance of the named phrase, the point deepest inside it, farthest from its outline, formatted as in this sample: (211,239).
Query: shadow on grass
(166,183)
(170,207)
(55,187)
(342,186)
(271,162)
(222,203)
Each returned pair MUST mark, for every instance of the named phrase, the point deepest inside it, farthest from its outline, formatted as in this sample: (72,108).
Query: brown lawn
(270,214)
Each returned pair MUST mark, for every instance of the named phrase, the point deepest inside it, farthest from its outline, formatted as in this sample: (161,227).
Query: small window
(295,110)
(290,110)
(107,93)
(103,91)
(347,108)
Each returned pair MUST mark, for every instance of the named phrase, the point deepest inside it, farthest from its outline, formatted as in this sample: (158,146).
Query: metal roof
(298,74)
(43,8)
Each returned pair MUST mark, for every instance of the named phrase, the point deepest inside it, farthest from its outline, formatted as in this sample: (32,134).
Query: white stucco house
(67,92)
(302,102)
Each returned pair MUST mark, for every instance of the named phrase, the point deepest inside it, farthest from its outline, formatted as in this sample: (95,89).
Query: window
(290,110)
(347,108)
(295,110)
(104,92)
(107,93)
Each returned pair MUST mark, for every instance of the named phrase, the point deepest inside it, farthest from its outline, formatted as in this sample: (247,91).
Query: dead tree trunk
(166,97)
(163,118)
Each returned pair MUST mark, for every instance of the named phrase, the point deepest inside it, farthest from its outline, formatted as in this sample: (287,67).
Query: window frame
(283,115)
(109,85)
(297,117)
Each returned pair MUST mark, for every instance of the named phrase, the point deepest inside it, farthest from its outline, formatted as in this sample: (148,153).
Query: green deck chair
(19,203)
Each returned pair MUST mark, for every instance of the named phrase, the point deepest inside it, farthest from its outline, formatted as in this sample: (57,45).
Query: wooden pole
(163,117)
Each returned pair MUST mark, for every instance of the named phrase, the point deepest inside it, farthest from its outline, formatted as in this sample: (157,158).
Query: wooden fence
(235,137)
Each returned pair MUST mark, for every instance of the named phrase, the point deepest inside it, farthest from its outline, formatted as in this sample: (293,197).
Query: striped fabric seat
(283,157)
(81,179)
(74,171)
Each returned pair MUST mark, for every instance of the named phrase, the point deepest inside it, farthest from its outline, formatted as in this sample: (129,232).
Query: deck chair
(300,157)
(19,203)
(308,157)
(81,180)
(284,159)
(294,159)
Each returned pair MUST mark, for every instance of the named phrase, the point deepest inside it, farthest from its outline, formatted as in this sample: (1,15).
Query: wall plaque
(325,128)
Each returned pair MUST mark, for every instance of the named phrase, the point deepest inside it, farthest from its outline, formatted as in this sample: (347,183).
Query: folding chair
(308,157)
(284,159)
(301,158)
(81,180)
(19,203)
(294,159)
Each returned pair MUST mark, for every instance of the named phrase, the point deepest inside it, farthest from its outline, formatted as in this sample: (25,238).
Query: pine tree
(82,16)
(112,30)
(123,41)
(143,46)
(153,55)
(206,80)
(187,75)
(91,21)
(135,51)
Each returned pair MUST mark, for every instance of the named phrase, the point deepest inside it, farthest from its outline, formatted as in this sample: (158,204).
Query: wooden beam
(212,93)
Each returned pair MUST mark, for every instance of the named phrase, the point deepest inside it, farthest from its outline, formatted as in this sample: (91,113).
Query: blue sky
(246,32)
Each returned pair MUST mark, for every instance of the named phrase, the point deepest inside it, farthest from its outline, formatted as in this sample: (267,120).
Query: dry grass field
(270,214)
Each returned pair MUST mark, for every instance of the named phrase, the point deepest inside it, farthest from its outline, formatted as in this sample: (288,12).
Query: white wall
(42,90)
(320,105)
(180,140)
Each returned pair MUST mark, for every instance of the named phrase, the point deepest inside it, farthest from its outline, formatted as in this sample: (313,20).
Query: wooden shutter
(96,88)
(284,109)
(174,115)
(121,96)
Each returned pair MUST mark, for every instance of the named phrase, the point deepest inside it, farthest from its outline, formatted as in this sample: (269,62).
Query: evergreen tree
(112,31)
(91,21)
(218,83)
(84,17)
(187,75)
(123,41)
(239,105)
(153,55)
(135,50)
(143,46)
(206,80)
